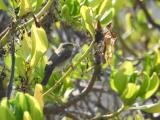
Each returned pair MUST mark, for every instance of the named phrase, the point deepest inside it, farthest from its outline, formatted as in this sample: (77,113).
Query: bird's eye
(65,56)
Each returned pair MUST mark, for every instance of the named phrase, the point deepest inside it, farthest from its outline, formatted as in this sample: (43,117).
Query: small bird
(59,56)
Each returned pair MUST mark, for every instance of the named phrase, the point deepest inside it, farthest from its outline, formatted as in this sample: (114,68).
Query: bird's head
(67,46)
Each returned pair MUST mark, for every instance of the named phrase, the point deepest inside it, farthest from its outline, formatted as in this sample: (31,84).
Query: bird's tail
(47,75)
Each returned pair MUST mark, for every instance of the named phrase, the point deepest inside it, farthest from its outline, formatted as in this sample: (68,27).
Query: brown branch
(73,117)
(10,85)
(148,16)
(111,116)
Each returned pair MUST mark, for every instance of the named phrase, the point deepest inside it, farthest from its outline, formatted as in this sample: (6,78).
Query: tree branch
(10,85)
(148,16)
(112,115)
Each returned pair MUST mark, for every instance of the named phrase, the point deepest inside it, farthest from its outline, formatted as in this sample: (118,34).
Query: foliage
(135,81)
(23,107)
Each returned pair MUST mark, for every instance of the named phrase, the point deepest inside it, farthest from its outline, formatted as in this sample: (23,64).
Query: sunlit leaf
(39,44)
(107,17)
(120,78)
(144,84)
(130,93)
(105,5)
(3,6)
(153,86)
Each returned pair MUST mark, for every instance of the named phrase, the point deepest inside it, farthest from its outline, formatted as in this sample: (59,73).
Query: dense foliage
(116,47)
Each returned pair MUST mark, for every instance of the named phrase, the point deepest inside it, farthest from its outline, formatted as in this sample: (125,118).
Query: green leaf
(20,105)
(105,5)
(7,60)
(25,7)
(24,51)
(65,12)
(153,86)
(144,85)
(90,28)
(39,44)
(85,13)
(141,17)
(130,94)
(3,6)
(94,3)
(127,67)
(119,4)
(6,112)
(39,4)
(119,81)
(75,8)
(120,78)
(147,63)
(128,19)
(138,117)
(107,17)
(133,77)
(20,66)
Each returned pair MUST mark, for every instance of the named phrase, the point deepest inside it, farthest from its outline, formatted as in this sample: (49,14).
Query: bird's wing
(49,68)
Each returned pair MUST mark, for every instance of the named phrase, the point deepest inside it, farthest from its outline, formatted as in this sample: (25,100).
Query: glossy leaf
(133,77)
(105,5)
(3,6)
(153,86)
(6,112)
(144,84)
(85,13)
(25,48)
(128,19)
(107,17)
(130,94)
(39,44)
(120,78)
(25,7)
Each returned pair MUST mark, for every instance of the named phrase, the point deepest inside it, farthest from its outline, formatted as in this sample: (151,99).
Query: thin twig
(148,16)
(112,115)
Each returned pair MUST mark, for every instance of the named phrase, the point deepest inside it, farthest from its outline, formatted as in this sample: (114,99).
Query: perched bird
(58,57)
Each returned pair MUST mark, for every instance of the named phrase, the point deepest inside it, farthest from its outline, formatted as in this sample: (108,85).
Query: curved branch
(148,16)
(112,115)
(10,85)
